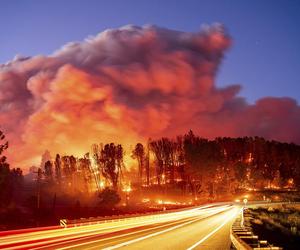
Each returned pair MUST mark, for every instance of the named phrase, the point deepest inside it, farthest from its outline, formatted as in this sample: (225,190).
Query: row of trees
(188,160)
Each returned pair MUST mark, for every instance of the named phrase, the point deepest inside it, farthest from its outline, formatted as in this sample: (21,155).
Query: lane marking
(212,232)
(151,235)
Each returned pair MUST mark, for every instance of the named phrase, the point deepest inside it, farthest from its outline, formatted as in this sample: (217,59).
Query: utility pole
(38,181)
(54,203)
(39,177)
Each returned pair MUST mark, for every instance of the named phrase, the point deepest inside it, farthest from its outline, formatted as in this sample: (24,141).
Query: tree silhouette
(46,156)
(5,182)
(96,154)
(139,154)
(156,148)
(120,162)
(48,171)
(58,174)
(112,160)
(3,147)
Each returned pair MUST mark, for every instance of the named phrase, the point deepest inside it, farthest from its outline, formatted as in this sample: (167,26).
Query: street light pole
(244,206)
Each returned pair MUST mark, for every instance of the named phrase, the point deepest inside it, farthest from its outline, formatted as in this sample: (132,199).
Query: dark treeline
(220,166)
(11,184)
(11,180)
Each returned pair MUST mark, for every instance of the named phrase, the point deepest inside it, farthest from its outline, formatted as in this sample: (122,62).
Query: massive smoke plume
(126,85)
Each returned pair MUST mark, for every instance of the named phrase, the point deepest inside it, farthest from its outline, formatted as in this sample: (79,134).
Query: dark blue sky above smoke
(264,58)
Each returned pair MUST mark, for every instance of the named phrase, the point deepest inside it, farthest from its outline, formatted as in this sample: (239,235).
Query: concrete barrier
(242,237)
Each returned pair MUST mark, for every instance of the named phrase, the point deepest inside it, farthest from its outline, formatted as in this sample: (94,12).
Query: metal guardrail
(115,218)
(104,219)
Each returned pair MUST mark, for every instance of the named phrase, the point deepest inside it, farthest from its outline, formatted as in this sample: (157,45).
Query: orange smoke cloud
(126,85)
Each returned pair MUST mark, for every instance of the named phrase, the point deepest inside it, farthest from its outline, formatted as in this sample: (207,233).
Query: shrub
(109,198)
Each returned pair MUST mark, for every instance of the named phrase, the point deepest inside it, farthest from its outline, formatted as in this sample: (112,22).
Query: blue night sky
(264,57)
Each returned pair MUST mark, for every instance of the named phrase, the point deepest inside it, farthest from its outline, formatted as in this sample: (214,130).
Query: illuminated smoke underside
(126,85)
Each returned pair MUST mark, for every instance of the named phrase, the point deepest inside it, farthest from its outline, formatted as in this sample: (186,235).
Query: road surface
(205,227)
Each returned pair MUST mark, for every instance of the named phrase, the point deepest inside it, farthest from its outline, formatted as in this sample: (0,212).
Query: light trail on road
(113,234)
